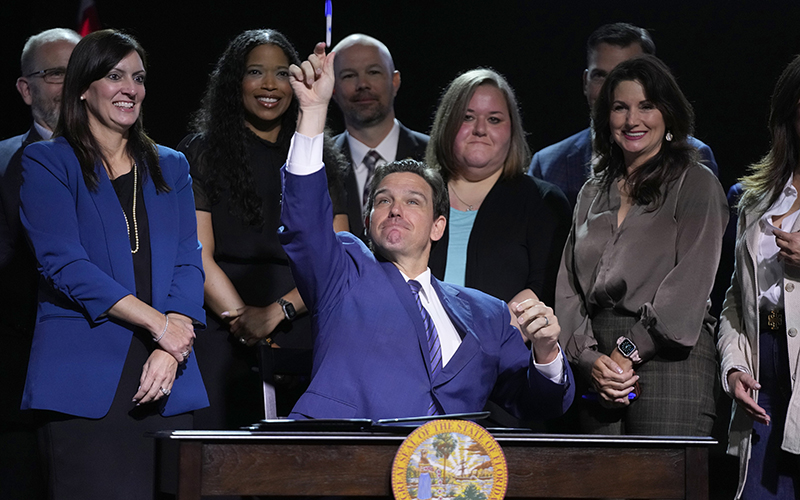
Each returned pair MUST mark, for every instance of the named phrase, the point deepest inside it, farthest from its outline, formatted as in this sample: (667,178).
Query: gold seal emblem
(453,459)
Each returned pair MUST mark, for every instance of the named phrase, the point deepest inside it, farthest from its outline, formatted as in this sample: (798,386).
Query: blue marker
(328,22)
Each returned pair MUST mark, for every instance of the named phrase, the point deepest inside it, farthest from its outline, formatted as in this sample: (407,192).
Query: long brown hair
(771,173)
(648,182)
(94,56)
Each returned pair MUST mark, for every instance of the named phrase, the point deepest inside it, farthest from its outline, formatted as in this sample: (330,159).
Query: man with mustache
(366,85)
(44,62)
(391,340)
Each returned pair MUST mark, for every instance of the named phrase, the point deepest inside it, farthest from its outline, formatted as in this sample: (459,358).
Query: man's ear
(366,225)
(24,89)
(395,82)
(437,231)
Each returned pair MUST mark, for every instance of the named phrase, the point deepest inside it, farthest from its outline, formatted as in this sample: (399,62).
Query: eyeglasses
(50,75)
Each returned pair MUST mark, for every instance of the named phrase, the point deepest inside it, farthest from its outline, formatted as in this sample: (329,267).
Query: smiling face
(115,101)
(366,84)
(482,143)
(637,125)
(401,223)
(266,91)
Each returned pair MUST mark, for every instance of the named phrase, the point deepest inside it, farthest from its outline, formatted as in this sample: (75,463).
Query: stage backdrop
(726,55)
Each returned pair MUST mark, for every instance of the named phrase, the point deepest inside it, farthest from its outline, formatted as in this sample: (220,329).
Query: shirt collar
(424,279)
(43,132)
(783,203)
(387,148)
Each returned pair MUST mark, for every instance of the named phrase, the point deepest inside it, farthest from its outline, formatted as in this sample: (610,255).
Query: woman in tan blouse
(632,293)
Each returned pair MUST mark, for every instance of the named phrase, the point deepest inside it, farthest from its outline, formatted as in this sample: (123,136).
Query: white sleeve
(305,154)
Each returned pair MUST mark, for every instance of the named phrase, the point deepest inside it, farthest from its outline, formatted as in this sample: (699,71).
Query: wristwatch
(288,308)
(628,349)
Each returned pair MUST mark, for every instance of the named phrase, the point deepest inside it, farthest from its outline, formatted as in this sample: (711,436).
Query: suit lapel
(406,298)
(460,313)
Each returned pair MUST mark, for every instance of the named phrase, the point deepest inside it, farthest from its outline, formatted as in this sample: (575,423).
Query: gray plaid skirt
(677,388)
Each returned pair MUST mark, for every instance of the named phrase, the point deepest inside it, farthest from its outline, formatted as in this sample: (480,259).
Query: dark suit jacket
(516,241)
(371,354)
(80,240)
(567,163)
(410,145)
(18,279)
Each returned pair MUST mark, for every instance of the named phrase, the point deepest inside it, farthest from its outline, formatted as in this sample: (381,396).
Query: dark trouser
(772,472)
(677,388)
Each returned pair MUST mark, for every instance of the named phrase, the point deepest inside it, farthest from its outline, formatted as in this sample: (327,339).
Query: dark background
(726,55)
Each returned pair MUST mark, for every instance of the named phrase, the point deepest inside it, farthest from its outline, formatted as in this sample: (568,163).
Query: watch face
(626,347)
(288,310)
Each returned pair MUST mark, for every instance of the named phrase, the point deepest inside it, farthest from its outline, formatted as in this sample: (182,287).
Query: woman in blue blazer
(110,217)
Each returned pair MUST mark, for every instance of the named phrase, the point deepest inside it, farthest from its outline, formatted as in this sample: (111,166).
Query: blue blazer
(80,240)
(370,352)
(567,163)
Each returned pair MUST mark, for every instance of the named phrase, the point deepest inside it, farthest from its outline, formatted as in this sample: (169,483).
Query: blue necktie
(434,347)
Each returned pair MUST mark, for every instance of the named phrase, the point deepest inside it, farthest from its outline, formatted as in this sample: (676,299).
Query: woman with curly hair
(639,264)
(243,132)
(758,340)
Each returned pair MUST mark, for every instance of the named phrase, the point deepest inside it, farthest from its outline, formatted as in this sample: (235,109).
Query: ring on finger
(185,353)
(546,321)
(164,391)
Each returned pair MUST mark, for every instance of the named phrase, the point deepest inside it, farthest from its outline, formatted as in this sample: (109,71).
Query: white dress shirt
(770,270)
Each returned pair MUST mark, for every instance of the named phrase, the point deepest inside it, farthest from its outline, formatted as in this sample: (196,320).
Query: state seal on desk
(450,459)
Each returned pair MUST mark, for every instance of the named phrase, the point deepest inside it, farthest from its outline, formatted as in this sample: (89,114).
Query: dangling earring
(668,137)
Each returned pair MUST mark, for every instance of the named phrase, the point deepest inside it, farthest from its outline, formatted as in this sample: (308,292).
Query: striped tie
(370,161)
(434,347)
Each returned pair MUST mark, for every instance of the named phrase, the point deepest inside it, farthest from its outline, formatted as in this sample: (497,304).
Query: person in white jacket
(758,342)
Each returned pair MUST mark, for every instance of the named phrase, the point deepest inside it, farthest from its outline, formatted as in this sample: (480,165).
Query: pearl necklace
(135,224)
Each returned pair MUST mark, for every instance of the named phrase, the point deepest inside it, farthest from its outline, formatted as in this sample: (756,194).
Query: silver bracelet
(166,325)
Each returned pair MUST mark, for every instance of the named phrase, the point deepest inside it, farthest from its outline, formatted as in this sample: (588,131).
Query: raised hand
(312,83)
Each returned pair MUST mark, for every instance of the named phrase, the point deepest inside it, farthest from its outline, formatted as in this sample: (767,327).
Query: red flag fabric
(88,20)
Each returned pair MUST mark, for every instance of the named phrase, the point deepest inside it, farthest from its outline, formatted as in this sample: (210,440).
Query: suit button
(789,287)
(792,332)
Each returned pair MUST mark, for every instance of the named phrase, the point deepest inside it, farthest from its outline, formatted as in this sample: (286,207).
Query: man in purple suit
(391,340)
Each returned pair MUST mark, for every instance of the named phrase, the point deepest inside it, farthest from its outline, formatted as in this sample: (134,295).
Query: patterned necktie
(434,346)
(370,161)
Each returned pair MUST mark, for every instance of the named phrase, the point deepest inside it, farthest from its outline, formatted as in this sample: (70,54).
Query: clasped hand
(179,337)
(613,378)
(252,324)
(539,325)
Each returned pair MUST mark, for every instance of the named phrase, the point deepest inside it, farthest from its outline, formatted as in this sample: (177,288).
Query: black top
(252,256)
(516,241)
(142,271)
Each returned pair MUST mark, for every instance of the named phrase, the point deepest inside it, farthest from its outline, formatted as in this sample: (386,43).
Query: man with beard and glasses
(44,63)
(365,88)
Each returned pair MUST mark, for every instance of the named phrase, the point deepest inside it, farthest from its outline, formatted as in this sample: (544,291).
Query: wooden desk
(359,464)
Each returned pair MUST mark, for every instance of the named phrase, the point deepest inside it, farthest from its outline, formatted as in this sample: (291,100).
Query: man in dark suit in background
(568,163)
(366,85)
(44,62)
